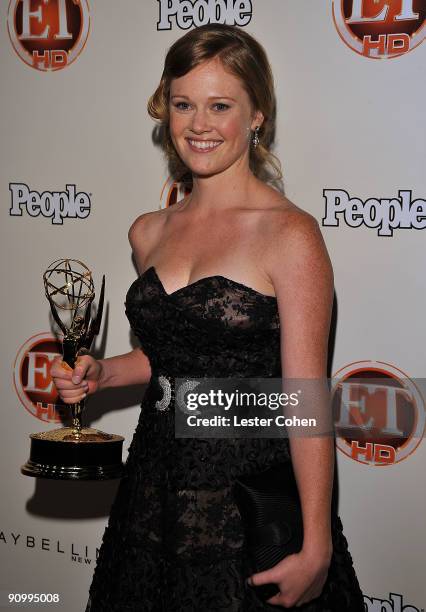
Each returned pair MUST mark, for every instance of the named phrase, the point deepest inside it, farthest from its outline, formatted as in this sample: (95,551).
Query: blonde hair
(243,57)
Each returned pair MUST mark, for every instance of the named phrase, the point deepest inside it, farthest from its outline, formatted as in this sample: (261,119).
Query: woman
(235,280)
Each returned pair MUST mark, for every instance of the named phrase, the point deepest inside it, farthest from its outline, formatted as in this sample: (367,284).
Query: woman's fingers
(62,374)
(74,384)
(60,370)
(72,397)
(67,385)
(71,393)
(80,369)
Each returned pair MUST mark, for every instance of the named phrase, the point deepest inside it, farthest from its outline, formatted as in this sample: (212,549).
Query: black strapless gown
(174,540)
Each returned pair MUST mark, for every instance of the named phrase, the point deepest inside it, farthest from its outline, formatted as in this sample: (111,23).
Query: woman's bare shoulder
(145,225)
(151,222)
(291,233)
(282,217)
(293,219)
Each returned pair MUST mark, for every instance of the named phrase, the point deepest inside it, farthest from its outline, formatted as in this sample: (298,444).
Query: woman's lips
(203,146)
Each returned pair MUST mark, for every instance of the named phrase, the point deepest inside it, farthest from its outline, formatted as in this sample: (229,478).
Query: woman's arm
(300,269)
(303,280)
(132,368)
(91,375)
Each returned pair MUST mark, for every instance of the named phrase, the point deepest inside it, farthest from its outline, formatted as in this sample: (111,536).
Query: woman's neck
(222,191)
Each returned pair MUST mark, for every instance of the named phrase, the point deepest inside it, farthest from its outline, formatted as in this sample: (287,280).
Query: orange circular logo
(380,28)
(31,376)
(379,413)
(172,192)
(48,34)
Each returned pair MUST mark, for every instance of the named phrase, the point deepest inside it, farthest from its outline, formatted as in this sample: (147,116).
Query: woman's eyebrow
(209,98)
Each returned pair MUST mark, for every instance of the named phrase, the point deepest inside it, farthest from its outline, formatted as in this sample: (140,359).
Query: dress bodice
(212,327)
(216,328)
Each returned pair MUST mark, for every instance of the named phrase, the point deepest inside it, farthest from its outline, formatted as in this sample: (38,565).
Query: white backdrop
(345,121)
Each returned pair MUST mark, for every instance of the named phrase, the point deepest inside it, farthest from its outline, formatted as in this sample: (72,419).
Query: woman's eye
(181,105)
(221,106)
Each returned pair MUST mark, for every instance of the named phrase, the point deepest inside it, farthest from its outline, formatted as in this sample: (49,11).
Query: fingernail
(76,379)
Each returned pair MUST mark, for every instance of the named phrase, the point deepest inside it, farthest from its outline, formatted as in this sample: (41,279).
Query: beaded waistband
(165,384)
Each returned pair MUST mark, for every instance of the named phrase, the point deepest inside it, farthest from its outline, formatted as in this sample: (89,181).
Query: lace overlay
(174,539)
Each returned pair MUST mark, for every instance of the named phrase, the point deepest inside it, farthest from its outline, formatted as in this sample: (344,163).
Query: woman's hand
(74,385)
(300,578)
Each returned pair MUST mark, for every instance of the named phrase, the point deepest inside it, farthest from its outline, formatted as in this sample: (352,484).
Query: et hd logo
(33,383)
(48,35)
(172,192)
(379,412)
(380,29)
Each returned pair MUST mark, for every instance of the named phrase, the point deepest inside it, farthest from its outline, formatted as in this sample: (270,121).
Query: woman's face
(211,119)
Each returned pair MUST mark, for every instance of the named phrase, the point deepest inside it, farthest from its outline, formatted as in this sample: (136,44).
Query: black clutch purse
(271,513)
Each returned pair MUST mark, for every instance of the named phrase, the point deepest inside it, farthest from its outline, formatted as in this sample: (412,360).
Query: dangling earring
(255,139)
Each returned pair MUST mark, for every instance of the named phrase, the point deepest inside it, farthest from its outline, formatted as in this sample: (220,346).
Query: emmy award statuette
(75,452)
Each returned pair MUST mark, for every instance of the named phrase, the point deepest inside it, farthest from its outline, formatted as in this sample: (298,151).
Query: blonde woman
(234,280)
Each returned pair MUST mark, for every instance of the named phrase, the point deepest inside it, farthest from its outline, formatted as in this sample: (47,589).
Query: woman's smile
(203,146)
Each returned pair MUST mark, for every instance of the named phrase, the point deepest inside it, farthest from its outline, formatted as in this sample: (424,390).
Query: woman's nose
(200,121)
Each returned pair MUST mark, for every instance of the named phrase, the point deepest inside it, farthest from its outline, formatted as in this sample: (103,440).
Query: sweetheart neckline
(204,279)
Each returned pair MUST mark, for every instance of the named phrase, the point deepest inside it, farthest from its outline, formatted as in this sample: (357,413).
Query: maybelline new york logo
(383,214)
(48,34)
(54,205)
(189,13)
(76,552)
(380,28)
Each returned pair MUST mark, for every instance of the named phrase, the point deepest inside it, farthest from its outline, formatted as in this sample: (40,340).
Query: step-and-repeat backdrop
(80,163)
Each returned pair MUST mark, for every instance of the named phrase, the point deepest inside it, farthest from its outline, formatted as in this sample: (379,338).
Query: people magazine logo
(53,205)
(380,29)
(172,192)
(188,13)
(379,412)
(48,35)
(395,603)
(31,376)
(383,214)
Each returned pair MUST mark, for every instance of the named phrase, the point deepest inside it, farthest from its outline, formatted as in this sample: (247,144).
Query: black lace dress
(174,540)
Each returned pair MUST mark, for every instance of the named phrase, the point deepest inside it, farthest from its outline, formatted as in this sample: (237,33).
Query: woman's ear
(258,119)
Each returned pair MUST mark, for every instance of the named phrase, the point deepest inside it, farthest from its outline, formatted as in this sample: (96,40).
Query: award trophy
(75,452)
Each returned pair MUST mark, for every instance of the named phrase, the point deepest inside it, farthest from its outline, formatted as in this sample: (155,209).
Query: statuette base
(59,455)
